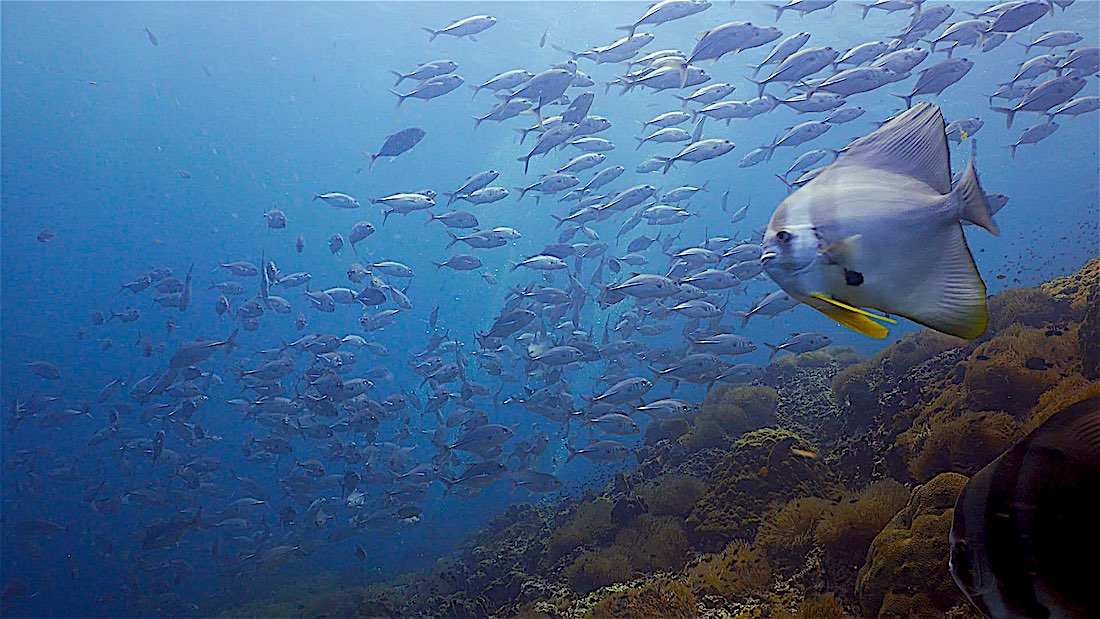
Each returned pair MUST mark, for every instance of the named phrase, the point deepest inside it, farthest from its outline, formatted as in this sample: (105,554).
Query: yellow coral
(738,571)
(599,568)
(789,530)
(1076,287)
(905,574)
(820,607)
(1010,371)
(665,598)
(846,531)
(914,349)
(671,495)
(654,543)
(964,445)
(1071,390)
(1029,307)
(590,524)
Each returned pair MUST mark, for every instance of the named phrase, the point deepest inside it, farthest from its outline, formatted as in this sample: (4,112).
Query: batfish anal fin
(854,318)
(951,296)
(913,143)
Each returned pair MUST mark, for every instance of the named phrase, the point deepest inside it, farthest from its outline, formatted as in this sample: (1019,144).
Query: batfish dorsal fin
(912,143)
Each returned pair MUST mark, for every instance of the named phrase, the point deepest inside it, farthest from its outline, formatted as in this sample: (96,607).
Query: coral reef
(769,462)
(738,571)
(588,525)
(964,444)
(665,597)
(846,530)
(599,568)
(665,429)
(1010,371)
(654,543)
(906,573)
(671,495)
(1071,390)
(758,471)
(788,531)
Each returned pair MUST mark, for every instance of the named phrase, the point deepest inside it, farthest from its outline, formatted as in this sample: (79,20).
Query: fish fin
(973,206)
(951,296)
(1074,430)
(855,319)
(1009,113)
(913,143)
(843,251)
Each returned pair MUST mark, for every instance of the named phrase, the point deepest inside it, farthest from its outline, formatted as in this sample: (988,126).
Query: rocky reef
(824,489)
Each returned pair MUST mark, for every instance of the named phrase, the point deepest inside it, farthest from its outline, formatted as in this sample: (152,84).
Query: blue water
(139,156)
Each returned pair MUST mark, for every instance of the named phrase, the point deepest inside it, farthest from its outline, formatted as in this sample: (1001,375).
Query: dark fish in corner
(1025,526)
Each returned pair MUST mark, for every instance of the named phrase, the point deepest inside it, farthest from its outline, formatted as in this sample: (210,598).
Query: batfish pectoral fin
(844,251)
(854,318)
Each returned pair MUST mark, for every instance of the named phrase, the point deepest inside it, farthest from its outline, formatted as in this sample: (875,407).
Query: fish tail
(866,8)
(744,316)
(640,142)
(438,265)
(373,158)
(756,69)
(908,99)
(628,28)
(231,342)
(434,33)
(1010,114)
(450,197)
(668,161)
(522,192)
(454,238)
(400,97)
(760,85)
(477,121)
(774,349)
(778,10)
(572,453)
(400,77)
(970,197)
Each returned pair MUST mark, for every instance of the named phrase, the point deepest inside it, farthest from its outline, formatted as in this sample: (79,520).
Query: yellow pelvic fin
(854,318)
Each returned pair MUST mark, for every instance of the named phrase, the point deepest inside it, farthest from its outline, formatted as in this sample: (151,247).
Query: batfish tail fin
(973,206)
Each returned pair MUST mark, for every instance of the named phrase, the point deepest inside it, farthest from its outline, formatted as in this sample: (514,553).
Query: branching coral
(820,607)
(599,568)
(738,571)
(759,471)
(1029,307)
(914,349)
(1010,371)
(964,444)
(846,531)
(1069,391)
(841,355)
(666,598)
(671,495)
(789,530)
(654,543)
(590,524)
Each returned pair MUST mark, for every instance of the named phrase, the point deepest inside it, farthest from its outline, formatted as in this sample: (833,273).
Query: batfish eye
(783,235)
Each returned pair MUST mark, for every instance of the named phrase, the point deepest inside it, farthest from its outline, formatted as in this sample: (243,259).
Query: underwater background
(145,136)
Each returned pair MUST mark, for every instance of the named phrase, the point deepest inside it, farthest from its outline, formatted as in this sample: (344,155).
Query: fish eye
(784,236)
